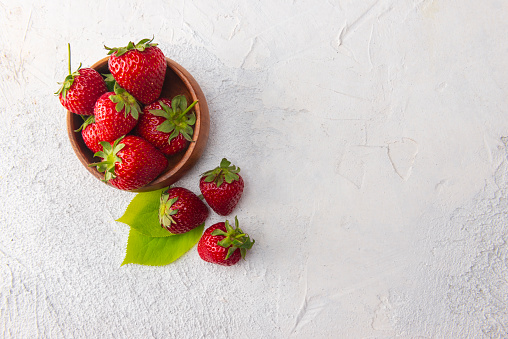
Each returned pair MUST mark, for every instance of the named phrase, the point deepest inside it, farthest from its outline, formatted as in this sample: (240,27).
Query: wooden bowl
(177,81)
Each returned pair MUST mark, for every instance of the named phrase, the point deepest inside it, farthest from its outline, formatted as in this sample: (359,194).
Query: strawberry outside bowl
(177,81)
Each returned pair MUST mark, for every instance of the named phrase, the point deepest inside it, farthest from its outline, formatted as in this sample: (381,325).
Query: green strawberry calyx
(179,118)
(110,81)
(87,121)
(109,158)
(225,172)
(125,101)
(234,238)
(165,211)
(69,79)
(140,46)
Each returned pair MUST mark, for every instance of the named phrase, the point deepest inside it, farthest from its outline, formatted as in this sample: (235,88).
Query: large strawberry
(167,124)
(115,114)
(139,68)
(81,89)
(222,187)
(224,245)
(130,162)
(180,210)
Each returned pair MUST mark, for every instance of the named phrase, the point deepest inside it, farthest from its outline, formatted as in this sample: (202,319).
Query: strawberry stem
(69,51)
(69,79)
(189,108)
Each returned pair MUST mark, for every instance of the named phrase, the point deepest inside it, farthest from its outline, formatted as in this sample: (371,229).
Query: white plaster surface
(373,139)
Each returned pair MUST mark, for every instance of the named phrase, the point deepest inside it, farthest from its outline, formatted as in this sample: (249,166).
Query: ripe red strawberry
(139,68)
(180,210)
(81,89)
(115,114)
(130,162)
(224,245)
(222,187)
(167,124)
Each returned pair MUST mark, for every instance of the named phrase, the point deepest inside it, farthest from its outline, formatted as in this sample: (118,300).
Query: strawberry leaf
(142,214)
(140,46)
(125,101)
(159,251)
(69,80)
(179,102)
(166,127)
(110,82)
(231,250)
(191,120)
(173,135)
(225,172)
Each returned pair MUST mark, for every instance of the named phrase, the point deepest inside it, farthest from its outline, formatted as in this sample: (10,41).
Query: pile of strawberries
(126,122)
(180,211)
(133,129)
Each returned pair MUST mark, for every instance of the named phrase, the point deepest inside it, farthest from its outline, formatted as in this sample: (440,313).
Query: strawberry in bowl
(139,68)
(176,81)
(81,89)
(115,115)
(130,162)
(167,124)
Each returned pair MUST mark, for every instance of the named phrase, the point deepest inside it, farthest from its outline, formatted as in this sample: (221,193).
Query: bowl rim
(193,151)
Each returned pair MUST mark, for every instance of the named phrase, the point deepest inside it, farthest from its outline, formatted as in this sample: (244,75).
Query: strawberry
(167,124)
(130,162)
(81,89)
(224,245)
(139,68)
(180,210)
(222,187)
(115,114)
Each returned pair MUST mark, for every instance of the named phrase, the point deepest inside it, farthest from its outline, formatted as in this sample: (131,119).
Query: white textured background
(373,139)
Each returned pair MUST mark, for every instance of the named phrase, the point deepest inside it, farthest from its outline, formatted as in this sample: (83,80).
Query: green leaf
(159,251)
(159,113)
(191,120)
(173,135)
(230,177)
(165,107)
(120,106)
(166,127)
(186,136)
(178,102)
(231,250)
(220,180)
(224,163)
(142,214)
(183,103)
(110,81)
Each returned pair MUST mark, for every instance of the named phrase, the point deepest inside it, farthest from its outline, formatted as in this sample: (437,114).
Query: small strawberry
(224,245)
(167,124)
(130,162)
(115,114)
(139,68)
(222,187)
(180,210)
(81,89)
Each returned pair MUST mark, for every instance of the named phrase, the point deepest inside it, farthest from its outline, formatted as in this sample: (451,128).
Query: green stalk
(69,51)
(188,108)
